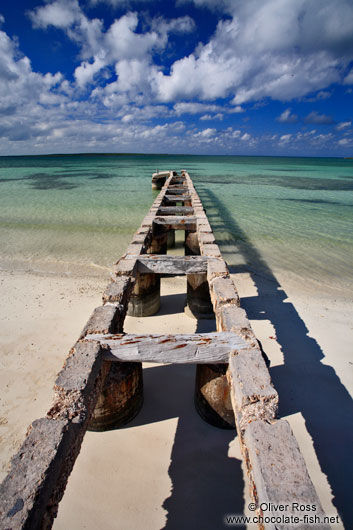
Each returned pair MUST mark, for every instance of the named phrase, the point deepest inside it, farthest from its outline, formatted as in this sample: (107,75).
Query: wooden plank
(177,222)
(177,190)
(177,198)
(173,265)
(175,210)
(179,349)
(175,219)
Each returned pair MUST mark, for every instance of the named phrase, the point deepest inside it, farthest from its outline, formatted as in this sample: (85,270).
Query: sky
(228,77)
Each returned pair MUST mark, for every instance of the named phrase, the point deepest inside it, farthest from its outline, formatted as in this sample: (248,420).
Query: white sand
(169,469)
(40,320)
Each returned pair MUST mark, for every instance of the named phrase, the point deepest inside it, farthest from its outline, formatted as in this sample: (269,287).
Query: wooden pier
(101,383)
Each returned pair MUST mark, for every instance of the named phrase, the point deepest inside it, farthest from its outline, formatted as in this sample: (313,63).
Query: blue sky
(254,77)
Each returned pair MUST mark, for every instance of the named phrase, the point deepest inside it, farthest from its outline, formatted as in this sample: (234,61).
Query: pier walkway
(101,383)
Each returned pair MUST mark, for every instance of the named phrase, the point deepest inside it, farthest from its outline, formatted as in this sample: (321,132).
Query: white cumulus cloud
(345,142)
(282,50)
(206,133)
(284,139)
(343,125)
(25,96)
(86,71)
(287,117)
(207,117)
(61,14)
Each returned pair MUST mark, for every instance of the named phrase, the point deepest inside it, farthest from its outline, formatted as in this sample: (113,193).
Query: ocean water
(271,215)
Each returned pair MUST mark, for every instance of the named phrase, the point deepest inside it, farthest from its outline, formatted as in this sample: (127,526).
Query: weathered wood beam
(177,198)
(173,265)
(177,180)
(206,348)
(175,210)
(176,222)
(177,190)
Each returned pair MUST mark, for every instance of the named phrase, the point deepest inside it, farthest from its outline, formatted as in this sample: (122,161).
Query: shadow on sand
(303,382)
(206,483)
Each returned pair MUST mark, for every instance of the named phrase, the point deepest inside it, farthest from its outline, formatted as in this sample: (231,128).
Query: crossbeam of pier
(171,197)
(201,348)
(170,265)
(176,222)
(175,210)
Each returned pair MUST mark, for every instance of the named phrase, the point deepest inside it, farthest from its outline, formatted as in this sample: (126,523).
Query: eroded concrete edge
(276,468)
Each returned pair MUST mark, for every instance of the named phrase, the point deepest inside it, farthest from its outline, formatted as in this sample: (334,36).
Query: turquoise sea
(76,214)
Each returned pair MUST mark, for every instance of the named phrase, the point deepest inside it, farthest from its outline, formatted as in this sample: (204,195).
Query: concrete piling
(146,295)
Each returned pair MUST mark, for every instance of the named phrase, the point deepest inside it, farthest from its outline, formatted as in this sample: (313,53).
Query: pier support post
(212,392)
(199,303)
(145,298)
(171,238)
(192,247)
(121,397)
(198,296)
(158,184)
(212,395)
(146,295)
(159,242)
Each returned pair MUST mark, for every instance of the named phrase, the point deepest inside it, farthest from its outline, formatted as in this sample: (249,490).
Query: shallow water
(76,214)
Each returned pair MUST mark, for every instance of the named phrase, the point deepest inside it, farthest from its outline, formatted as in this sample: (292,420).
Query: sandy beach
(168,468)
(41,316)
